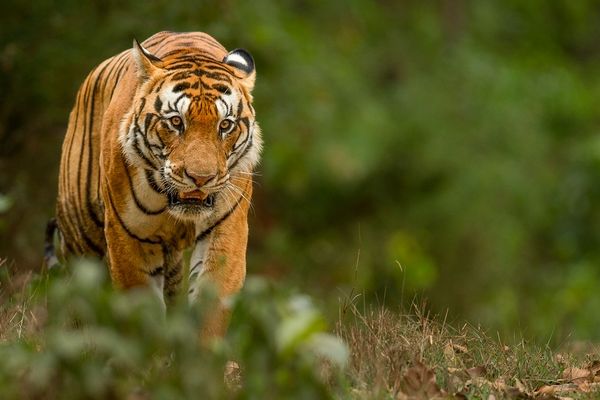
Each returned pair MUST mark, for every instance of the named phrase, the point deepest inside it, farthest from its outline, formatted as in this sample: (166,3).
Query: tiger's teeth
(193,195)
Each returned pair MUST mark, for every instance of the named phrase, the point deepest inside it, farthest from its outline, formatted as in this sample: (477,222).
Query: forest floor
(391,355)
(415,357)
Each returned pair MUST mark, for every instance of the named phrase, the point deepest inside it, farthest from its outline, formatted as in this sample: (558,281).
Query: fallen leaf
(576,375)
(555,389)
(588,387)
(515,393)
(418,383)
(521,386)
(595,370)
(546,389)
(477,372)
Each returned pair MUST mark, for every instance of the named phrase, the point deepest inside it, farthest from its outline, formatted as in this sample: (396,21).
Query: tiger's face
(192,128)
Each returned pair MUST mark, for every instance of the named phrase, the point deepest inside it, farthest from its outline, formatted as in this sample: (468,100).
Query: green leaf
(329,347)
(5,203)
(297,328)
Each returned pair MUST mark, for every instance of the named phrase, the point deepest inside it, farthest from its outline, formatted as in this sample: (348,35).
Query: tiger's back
(79,209)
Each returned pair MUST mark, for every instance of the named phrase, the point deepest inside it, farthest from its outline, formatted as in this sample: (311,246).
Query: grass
(389,349)
(72,336)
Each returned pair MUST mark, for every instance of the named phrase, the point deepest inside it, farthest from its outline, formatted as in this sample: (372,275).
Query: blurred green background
(438,151)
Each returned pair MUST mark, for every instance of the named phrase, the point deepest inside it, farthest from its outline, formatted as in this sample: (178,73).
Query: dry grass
(18,316)
(412,356)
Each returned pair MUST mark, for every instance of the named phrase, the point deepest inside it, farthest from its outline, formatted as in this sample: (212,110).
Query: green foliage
(99,343)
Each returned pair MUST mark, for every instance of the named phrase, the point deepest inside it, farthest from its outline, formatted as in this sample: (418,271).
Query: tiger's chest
(145,214)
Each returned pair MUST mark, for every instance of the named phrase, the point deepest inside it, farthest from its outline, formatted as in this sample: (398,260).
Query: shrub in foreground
(95,342)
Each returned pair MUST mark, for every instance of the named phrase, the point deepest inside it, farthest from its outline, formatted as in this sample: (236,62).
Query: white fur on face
(174,101)
(226,105)
(131,139)
(252,157)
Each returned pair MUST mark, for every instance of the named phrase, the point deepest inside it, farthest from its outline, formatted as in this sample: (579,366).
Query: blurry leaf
(5,203)
(296,328)
(329,347)
(88,275)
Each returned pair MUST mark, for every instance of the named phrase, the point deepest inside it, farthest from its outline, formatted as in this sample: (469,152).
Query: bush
(94,342)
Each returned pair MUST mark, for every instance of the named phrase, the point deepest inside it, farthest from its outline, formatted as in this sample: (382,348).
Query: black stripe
(218,76)
(209,230)
(114,62)
(161,146)
(69,233)
(138,203)
(125,228)
(181,76)
(97,250)
(166,42)
(193,272)
(156,271)
(152,181)
(138,151)
(83,135)
(159,86)
(181,87)
(69,247)
(172,284)
(147,121)
(137,131)
(173,271)
(97,220)
(240,108)
(70,146)
(123,66)
(210,43)
(158,104)
(155,39)
(246,150)
(194,55)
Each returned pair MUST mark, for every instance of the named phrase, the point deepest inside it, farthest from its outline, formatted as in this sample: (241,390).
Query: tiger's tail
(50,259)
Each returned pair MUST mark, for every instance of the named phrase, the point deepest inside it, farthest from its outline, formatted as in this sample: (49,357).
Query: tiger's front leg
(134,263)
(220,260)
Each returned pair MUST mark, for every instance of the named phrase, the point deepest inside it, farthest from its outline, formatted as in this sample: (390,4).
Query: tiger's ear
(241,60)
(147,63)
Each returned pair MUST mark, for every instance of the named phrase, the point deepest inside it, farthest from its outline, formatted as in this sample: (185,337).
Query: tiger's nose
(200,180)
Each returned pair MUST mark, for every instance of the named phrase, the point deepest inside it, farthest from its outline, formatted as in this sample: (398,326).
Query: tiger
(158,157)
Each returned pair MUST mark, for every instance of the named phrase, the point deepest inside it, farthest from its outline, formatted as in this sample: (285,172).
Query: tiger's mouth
(194,198)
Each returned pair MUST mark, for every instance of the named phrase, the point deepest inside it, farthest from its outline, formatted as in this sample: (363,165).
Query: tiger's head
(192,126)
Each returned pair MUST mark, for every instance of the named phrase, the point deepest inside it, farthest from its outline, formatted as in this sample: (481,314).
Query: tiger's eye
(225,125)
(176,121)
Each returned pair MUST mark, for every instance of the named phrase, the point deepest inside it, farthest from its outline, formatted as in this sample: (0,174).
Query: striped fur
(158,157)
